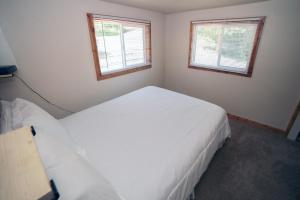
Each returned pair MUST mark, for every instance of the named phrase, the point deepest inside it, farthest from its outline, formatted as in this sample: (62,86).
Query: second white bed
(151,144)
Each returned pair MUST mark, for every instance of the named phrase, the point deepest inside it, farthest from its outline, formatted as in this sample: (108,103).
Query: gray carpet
(255,163)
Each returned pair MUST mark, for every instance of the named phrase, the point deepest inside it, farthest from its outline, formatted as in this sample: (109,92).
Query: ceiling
(172,6)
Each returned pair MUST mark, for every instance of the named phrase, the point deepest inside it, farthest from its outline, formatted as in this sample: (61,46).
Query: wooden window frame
(99,74)
(260,21)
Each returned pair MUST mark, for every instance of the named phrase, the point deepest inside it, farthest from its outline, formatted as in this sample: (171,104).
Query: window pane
(225,45)
(119,46)
(207,44)
(237,44)
(134,45)
(109,46)
(100,44)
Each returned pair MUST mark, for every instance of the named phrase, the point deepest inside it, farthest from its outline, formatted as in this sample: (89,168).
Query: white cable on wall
(38,94)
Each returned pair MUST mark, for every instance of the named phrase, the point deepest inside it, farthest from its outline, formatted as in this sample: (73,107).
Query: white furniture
(151,144)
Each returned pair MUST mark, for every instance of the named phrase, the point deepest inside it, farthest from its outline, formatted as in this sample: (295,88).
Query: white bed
(151,144)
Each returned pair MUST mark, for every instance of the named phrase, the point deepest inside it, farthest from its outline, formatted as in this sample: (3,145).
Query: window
(225,45)
(120,45)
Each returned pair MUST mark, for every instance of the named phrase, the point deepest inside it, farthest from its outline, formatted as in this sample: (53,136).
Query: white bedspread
(151,144)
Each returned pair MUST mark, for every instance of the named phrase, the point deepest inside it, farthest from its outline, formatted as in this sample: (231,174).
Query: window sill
(248,74)
(120,73)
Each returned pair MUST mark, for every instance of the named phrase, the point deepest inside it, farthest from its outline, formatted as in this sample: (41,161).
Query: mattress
(151,144)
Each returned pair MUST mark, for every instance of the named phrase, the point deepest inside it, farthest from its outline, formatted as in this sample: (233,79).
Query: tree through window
(120,45)
(225,45)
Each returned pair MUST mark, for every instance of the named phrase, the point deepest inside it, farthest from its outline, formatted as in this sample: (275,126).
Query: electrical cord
(37,93)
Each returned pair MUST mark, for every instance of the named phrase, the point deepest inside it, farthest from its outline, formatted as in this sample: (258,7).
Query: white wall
(51,45)
(272,93)
(6,56)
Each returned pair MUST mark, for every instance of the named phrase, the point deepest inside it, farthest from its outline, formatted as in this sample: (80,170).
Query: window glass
(225,45)
(121,44)
(134,45)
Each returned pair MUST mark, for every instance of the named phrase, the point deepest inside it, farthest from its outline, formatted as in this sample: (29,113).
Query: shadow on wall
(6,55)
(13,84)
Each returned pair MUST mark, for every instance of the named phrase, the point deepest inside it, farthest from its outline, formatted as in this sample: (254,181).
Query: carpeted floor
(255,163)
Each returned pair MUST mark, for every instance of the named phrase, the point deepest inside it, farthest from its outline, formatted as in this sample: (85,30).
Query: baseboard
(293,118)
(248,121)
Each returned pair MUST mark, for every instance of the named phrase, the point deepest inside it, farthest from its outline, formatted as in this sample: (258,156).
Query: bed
(150,144)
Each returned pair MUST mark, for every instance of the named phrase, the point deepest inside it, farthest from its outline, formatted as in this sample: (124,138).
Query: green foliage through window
(228,45)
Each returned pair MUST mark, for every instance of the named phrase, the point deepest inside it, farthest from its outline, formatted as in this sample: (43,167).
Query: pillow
(74,178)
(25,113)
(52,151)
(5,116)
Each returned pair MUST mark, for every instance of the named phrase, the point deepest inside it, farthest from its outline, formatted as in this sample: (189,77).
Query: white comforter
(151,144)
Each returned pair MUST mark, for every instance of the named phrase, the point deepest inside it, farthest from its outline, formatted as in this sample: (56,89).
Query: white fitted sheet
(151,144)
